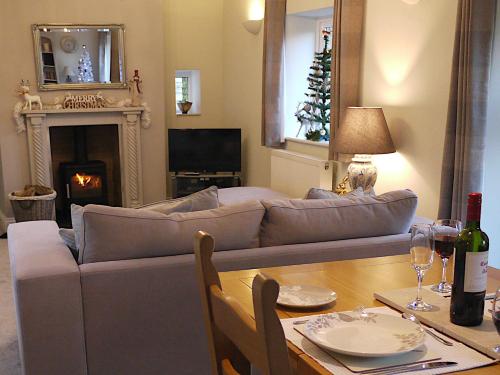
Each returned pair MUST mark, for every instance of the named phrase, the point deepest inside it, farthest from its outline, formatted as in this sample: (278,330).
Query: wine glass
(445,233)
(495,314)
(421,258)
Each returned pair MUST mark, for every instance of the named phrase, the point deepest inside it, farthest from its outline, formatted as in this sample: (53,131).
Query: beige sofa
(143,315)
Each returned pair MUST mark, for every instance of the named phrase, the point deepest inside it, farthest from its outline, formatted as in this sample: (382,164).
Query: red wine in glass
(444,245)
(445,233)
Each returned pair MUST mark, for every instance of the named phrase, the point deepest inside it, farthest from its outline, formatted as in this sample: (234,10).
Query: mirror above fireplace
(79,56)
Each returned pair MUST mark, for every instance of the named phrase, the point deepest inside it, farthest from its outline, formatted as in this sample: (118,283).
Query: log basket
(39,207)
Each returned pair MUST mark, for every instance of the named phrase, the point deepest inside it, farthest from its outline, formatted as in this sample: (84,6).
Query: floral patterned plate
(305,296)
(364,334)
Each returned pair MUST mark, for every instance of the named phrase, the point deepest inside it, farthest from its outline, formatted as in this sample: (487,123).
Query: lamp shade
(364,131)
(67,71)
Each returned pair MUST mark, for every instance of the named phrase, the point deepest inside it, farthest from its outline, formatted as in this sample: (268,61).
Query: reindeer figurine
(29,100)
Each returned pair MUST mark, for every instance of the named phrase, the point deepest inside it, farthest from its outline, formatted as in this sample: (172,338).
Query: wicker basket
(39,207)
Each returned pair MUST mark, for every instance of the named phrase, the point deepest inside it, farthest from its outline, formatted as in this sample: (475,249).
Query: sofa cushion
(111,233)
(202,200)
(71,237)
(317,193)
(316,220)
(240,194)
(170,206)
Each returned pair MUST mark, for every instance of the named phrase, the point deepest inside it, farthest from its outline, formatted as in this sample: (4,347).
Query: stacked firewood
(33,190)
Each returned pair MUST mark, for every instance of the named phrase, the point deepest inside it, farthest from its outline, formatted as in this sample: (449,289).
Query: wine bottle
(471,267)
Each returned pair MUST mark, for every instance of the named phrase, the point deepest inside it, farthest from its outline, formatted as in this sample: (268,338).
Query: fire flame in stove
(83,180)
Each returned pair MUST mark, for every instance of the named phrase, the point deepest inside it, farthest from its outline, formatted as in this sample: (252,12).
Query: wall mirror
(79,56)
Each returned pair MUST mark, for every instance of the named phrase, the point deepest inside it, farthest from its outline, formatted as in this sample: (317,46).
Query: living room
(404,63)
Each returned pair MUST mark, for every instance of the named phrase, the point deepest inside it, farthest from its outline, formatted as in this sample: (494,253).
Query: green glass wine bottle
(471,267)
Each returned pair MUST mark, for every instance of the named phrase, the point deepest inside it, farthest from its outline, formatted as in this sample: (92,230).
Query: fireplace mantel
(87,110)
(129,122)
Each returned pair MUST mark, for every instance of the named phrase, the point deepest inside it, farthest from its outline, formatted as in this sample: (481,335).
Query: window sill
(306,142)
(188,114)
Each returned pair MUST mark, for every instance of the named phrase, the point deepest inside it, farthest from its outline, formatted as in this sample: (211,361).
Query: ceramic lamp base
(362,173)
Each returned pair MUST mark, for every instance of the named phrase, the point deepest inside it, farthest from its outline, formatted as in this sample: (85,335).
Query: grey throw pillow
(170,206)
(206,199)
(68,236)
(77,223)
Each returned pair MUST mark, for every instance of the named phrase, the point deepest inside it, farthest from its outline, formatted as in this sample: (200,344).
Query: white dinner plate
(364,334)
(305,296)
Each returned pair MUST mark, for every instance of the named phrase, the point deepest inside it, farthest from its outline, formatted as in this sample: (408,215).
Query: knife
(417,367)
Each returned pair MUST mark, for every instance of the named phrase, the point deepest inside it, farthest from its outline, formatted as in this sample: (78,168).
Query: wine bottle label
(476,271)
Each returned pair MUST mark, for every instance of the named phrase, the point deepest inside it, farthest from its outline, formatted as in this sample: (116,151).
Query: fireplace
(84,183)
(86,162)
(113,137)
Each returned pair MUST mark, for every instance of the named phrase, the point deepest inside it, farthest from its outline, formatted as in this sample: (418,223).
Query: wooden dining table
(354,281)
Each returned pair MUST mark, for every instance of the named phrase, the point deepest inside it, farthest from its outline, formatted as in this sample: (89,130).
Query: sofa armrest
(47,294)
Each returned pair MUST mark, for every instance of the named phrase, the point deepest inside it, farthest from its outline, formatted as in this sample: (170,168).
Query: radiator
(294,174)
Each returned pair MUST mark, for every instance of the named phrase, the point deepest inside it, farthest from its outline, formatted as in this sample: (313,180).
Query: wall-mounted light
(255,17)
(253,26)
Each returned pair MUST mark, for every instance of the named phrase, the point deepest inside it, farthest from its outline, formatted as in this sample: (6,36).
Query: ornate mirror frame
(37,28)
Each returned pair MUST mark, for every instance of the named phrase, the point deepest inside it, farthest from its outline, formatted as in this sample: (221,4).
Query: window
(187,89)
(181,89)
(325,24)
(305,81)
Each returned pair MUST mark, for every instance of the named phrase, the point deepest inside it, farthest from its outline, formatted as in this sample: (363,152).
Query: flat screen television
(204,150)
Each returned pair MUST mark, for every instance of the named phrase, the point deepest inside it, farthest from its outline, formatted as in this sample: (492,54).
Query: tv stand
(186,183)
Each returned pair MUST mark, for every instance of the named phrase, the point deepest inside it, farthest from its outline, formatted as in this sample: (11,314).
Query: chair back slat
(235,338)
(234,322)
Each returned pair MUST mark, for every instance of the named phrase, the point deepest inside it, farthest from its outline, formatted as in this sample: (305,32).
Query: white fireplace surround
(128,120)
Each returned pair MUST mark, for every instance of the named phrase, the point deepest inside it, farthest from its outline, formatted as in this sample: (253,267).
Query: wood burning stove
(83,181)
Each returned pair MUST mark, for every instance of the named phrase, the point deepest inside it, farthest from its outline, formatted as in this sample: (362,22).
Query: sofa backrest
(111,233)
(295,221)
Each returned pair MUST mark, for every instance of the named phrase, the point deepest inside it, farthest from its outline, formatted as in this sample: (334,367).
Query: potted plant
(184,106)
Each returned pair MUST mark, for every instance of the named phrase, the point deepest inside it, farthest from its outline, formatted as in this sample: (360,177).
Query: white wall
(144,45)
(406,69)
(193,41)
(243,88)
(491,203)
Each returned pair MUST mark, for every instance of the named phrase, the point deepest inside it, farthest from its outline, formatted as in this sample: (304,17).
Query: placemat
(482,338)
(466,357)
(363,364)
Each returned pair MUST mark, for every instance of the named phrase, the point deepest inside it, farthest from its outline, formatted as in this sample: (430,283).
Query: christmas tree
(314,112)
(85,67)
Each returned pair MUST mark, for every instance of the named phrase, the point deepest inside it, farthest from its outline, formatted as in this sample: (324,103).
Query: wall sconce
(253,26)
(255,17)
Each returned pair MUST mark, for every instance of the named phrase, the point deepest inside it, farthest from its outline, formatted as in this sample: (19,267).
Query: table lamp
(67,73)
(364,132)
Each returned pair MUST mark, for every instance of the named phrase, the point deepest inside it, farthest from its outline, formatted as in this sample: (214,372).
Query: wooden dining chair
(235,339)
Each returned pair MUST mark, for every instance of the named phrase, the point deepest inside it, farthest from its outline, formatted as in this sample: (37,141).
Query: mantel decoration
(29,100)
(314,113)
(134,87)
(83,101)
(90,101)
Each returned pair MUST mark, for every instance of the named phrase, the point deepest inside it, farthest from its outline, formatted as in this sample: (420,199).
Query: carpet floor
(9,351)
